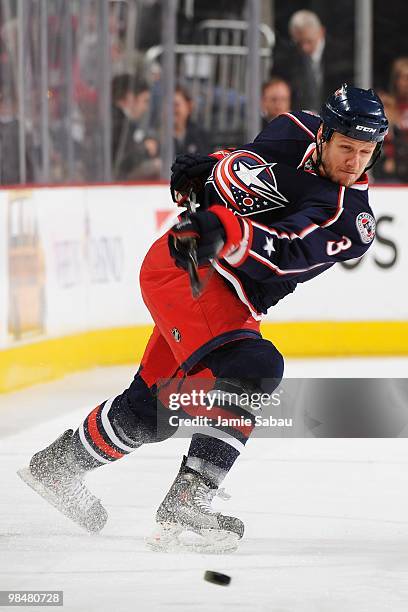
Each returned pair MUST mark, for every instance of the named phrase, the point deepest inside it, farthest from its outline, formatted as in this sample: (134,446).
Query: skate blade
(27,477)
(171,538)
(165,538)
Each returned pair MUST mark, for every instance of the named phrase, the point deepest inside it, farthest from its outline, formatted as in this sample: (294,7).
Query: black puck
(217,578)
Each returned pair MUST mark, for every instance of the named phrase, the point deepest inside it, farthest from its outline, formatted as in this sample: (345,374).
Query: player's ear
(320,139)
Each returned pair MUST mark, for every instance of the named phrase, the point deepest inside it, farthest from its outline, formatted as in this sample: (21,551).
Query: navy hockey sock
(211,457)
(97,441)
(119,425)
(214,451)
(242,368)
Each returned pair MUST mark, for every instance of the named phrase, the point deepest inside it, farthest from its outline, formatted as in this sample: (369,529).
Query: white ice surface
(326,520)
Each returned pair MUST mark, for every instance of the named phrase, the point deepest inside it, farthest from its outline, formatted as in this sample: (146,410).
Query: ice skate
(54,474)
(185,519)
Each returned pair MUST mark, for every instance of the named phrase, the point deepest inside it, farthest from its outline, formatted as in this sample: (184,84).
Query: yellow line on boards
(31,363)
(339,338)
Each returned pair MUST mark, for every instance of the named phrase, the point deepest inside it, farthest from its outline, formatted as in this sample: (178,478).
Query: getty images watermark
(220,404)
(297,407)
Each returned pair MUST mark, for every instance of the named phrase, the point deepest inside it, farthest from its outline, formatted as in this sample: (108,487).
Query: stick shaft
(192,264)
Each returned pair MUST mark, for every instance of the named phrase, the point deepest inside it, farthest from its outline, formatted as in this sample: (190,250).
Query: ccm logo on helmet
(363,128)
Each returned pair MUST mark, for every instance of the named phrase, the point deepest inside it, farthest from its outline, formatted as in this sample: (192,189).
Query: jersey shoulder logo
(366,227)
(247,184)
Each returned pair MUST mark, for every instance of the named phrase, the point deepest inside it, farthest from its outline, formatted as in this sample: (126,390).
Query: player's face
(344,159)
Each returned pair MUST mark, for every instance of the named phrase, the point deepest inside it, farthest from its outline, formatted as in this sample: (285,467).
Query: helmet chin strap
(375,156)
(319,161)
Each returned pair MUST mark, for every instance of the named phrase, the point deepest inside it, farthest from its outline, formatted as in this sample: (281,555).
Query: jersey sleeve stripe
(236,283)
(305,232)
(309,228)
(300,124)
(270,230)
(278,270)
(302,234)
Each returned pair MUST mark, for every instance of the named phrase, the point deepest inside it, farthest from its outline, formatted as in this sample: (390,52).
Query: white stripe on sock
(108,428)
(88,447)
(211,432)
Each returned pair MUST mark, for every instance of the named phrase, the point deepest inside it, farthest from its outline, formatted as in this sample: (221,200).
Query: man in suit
(313,63)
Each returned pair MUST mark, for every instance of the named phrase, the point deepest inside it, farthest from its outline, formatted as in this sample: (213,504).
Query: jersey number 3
(333,248)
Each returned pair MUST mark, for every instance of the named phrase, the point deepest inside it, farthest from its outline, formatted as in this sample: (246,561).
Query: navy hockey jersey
(297,224)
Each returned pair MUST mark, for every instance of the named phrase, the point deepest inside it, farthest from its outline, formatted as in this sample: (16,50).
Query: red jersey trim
(278,270)
(300,124)
(308,153)
(234,280)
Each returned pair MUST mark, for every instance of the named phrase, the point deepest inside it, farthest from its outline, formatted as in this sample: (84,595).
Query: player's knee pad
(257,361)
(139,415)
(266,362)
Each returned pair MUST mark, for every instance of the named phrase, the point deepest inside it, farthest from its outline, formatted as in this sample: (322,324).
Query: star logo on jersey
(247,184)
(269,248)
(260,180)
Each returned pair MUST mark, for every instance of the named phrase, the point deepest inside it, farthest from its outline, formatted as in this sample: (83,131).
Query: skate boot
(186,513)
(54,474)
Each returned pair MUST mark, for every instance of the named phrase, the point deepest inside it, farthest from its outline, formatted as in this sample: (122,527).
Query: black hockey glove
(211,233)
(189,173)
(203,231)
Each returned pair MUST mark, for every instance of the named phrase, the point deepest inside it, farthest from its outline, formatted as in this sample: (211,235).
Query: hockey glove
(212,233)
(189,173)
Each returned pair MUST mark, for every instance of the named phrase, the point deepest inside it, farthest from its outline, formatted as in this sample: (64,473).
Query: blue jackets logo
(366,227)
(247,184)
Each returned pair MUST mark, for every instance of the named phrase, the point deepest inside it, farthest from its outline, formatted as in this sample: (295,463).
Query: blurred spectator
(10,133)
(275,99)
(393,164)
(189,137)
(8,38)
(384,169)
(314,64)
(134,151)
(399,89)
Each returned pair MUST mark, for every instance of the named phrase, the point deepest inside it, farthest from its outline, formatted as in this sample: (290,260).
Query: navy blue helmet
(356,113)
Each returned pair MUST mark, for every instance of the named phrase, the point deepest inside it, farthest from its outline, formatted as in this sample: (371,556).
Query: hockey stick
(197,285)
(191,246)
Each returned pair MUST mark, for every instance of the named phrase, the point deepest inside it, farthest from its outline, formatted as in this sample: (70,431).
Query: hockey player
(275,213)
